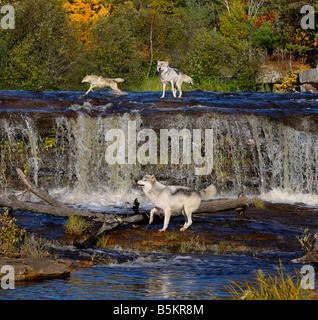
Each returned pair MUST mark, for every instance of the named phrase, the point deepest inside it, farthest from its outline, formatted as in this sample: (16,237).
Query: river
(65,142)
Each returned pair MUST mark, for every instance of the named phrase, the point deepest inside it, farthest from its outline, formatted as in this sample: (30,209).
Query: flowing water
(266,142)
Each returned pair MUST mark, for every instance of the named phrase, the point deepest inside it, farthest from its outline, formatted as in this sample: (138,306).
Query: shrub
(306,240)
(258,203)
(11,235)
(14,241)
(209,55)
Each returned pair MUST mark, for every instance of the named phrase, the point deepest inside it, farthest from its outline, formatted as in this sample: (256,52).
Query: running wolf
(100,82)
(173,198)
(172,76)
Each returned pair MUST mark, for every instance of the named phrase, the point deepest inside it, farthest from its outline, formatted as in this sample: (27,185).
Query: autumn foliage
(219,43)
(86,11)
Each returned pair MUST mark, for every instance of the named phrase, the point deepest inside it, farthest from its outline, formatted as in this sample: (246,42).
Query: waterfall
(270,156)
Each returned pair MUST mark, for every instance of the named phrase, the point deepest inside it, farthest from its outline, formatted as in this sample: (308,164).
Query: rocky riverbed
(266,142)
(266,234)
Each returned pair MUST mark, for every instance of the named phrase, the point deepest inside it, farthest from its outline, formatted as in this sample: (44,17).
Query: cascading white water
(267,155)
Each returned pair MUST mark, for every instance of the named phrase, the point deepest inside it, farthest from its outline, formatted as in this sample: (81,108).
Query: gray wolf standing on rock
(173,198)
(172,76)
(100,82)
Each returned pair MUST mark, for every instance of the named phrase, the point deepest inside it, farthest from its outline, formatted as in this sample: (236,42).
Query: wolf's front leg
(152,213)
(163,90)
(89,90)
(167,213)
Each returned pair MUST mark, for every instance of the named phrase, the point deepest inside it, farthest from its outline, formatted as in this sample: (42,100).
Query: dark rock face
(60,139)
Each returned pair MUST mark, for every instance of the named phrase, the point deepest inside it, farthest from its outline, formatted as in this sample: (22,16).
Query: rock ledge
(36,269)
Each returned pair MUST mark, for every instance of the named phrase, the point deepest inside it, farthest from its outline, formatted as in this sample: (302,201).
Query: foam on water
(280,196)
(109,201)
(277,158)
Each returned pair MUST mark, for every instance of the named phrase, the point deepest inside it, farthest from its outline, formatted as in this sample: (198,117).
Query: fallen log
(54,208)
(110,221)
(92,238)
(38,192)
(16,204)
(214,206)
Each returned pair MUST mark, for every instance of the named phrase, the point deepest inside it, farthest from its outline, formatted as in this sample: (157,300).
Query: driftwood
(214,206)
(15,204)
(312,255)
(110,221)
(38,192)
(54,208)
(206,207)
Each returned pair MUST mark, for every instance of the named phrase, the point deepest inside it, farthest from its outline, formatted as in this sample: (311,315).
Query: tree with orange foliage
(85,13)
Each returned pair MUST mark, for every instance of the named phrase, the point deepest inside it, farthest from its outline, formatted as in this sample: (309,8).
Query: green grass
(170,236)
(280,287)
(34,248)
(76,225)
(103,241)
(258,203)
(216,85)
(207,84)
(148,84)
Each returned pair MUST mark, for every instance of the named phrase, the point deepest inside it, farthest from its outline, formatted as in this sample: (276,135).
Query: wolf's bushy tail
(119,80)
(187,79)
(208,193)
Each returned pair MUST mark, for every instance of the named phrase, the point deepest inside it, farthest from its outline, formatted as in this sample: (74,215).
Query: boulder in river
(36,269)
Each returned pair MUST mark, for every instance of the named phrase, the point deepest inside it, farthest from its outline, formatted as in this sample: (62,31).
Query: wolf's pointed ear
(153,179)
(167,63)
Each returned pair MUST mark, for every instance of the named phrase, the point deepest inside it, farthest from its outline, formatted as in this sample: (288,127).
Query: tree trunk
(15,204)
(110,221)
(214,206)
(151,49)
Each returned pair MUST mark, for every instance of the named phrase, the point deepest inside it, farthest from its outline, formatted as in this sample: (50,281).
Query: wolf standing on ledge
(172,76)
(173,198)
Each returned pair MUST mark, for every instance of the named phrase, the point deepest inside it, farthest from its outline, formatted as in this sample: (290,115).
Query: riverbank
(131,261)
(36,269)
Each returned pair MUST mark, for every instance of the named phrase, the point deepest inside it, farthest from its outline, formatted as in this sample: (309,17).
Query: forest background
(221,44)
